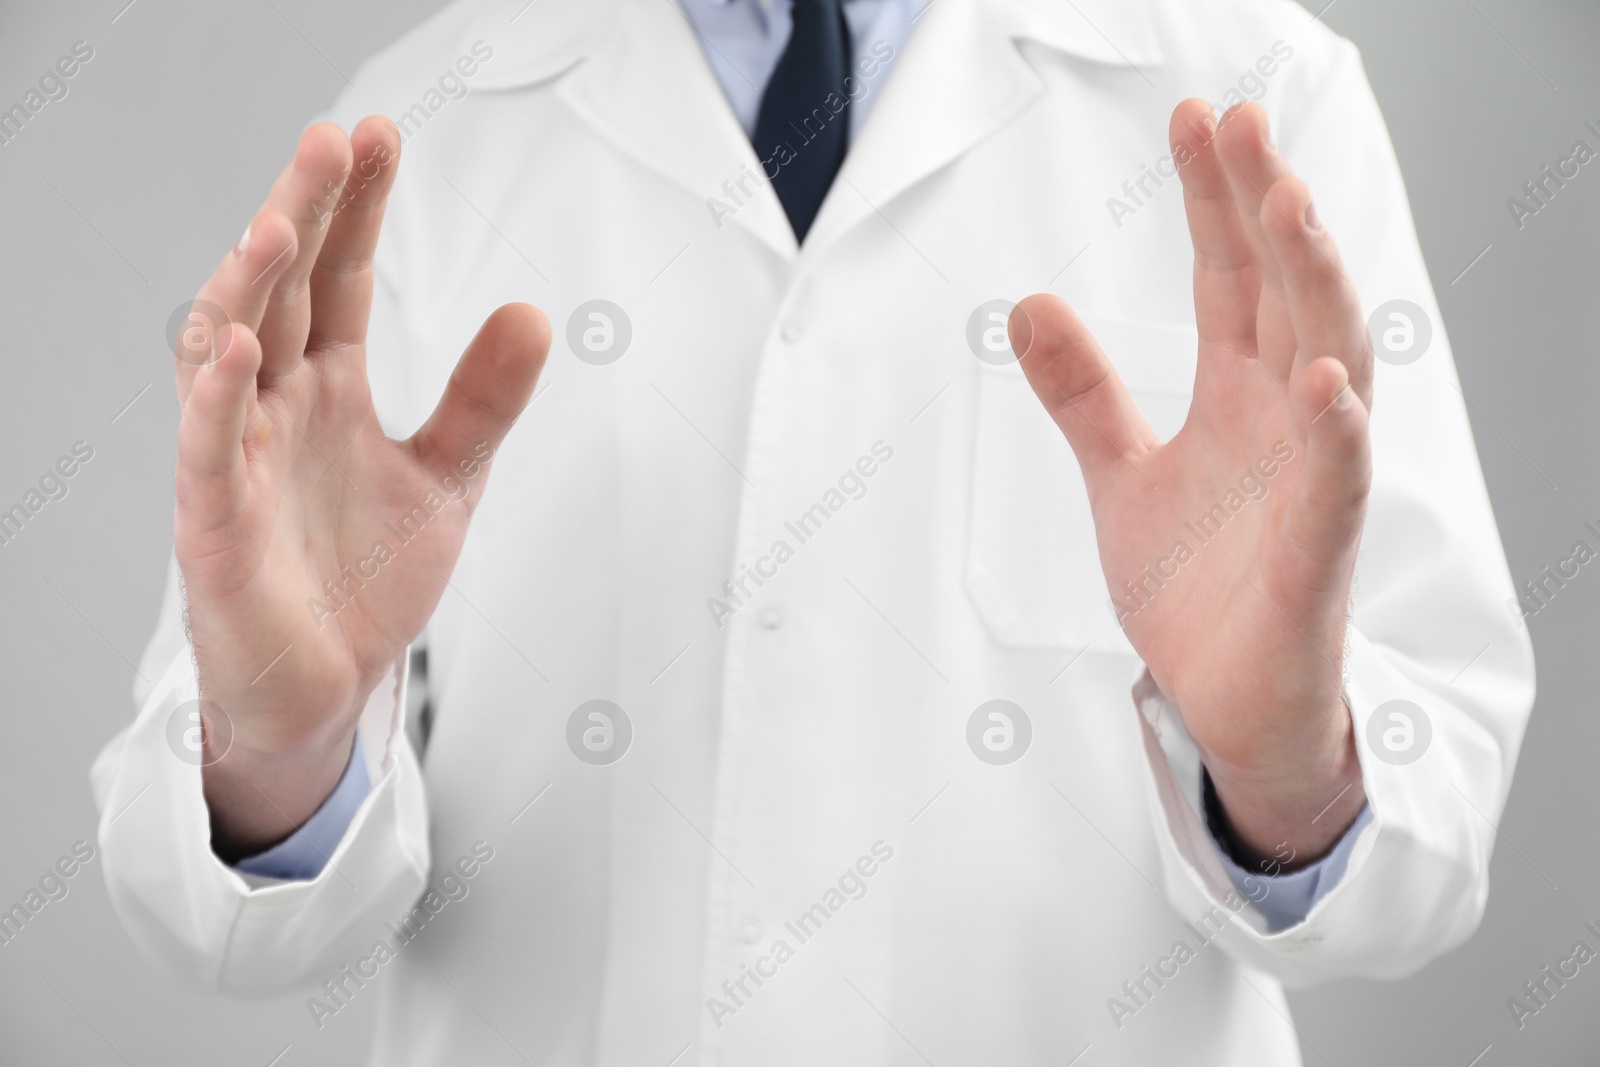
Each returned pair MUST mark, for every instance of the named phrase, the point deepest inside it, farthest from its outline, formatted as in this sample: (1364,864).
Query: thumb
(1077,384)
(490,386)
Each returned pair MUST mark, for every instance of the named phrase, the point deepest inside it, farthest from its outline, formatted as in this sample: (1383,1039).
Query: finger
(341,280)
(239,288)
(306,193)
(488,389)
(212,483)
(1325,514)
(1227,278)
(1078,385)
(1323,303)
(1253,166)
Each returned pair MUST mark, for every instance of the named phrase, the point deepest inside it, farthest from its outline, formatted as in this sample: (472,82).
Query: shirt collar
(1116,32)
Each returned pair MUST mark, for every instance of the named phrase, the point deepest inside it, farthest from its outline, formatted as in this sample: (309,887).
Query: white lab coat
(829,712)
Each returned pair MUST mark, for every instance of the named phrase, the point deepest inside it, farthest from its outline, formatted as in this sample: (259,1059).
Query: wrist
(1283,813)
(259,794)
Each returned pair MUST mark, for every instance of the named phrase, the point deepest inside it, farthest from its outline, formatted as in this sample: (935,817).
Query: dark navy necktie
(796,130)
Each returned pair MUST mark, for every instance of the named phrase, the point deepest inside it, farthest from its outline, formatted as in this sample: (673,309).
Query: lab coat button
(771,619)
(749,931)
(790,332)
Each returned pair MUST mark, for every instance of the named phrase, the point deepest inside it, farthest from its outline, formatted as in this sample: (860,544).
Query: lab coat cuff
(1180,776)
(1414,879)
(235,930)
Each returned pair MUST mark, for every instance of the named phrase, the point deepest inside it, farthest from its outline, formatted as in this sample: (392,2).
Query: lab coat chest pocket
(1033,568)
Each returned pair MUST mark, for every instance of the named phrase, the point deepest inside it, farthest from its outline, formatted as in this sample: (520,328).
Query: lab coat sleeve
(226,929)
(1433,620)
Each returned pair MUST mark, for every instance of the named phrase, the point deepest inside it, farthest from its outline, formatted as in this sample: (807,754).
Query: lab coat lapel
(649,89)
(957,80)
(960,78)
(635,72)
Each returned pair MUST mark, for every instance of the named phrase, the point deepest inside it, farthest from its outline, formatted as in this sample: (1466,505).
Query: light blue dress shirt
(743,40)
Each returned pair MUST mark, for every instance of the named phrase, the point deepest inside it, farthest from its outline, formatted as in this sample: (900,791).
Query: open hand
(286,485)
(1229,550)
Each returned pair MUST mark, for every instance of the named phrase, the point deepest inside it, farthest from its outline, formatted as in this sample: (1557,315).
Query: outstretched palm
(1230,549)
(313,548)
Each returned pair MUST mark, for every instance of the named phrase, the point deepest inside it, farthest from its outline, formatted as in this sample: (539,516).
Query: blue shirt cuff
(1287,898)
(301,856)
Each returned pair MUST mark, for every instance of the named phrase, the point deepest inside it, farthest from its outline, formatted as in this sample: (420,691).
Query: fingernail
(1312,220)
(244,243)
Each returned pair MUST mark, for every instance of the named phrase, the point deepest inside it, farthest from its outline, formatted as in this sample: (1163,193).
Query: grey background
(117,200)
